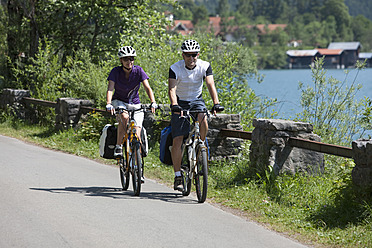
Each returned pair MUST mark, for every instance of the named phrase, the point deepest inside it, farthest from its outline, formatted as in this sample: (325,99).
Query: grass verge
(321,211)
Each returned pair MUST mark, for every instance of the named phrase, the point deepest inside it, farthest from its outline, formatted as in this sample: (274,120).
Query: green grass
(323,211)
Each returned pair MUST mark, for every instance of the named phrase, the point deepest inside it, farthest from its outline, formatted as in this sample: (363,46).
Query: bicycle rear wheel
(185,170)
(124,174)
(136,169)
(201,176)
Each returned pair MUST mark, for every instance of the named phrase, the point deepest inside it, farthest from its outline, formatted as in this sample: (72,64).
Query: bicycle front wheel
(185,170)
(201,175)
(124,174)
(137,169)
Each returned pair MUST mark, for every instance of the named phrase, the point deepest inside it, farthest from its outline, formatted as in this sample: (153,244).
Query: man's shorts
(138,115)
(181,126)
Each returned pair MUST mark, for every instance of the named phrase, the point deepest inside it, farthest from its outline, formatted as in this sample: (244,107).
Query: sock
(177,173)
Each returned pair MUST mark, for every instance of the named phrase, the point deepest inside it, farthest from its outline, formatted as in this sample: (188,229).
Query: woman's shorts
(138,115)
(181,126)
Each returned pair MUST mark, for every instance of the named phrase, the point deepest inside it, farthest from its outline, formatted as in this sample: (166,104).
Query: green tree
(182,14)
(185,10)
(99,26)
(340,12)
(362,30)
(245,9)
(329,32)
(71,24)
(3,38)
(223,8)
(200,15)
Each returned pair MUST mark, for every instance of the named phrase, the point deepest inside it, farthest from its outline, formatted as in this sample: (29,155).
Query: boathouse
(366,56)
(301,59)
(351,51)
(333,58)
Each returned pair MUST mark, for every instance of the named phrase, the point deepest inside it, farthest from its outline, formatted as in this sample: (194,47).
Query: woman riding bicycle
(185,92)
(126,81)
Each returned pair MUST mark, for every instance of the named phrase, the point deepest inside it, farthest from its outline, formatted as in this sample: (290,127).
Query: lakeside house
(351,51)
(338,55)
(333,58)
(367,57)
(301,59)
(226,32)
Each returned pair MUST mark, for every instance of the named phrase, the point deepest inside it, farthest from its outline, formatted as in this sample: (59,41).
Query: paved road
(52,199)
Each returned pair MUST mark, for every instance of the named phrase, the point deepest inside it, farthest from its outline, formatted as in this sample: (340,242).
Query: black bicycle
(194,167)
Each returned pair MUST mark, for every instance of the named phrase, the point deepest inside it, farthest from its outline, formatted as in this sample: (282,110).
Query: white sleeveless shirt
(189,82)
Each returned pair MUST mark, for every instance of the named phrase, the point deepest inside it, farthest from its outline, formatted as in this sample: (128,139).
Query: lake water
(283,85)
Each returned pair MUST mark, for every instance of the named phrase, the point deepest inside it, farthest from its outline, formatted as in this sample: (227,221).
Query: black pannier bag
(166,142)
(107,141)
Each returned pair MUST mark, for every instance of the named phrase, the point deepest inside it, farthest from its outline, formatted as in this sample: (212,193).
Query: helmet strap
(128,69)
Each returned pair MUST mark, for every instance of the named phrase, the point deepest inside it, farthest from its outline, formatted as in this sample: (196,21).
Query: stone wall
(11,100)
(68,111)
(270,147)
(224,147)
(362,154)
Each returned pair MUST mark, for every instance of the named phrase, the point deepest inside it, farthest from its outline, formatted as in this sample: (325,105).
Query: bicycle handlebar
(143,107)
(188,113)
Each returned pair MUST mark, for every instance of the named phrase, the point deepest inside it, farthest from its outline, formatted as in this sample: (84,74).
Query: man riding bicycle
(185,92)
(126,81)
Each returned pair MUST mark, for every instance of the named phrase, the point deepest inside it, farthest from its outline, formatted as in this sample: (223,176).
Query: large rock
(11,101)
(221,147)
(270,147)
(68,111)
(362,154)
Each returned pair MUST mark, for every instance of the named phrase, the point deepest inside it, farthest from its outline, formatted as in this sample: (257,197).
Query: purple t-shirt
(126,90)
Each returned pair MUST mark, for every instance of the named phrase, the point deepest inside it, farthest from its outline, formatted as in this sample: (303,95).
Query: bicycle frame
(197,164)
(133,159)
(130,136)
(191,143)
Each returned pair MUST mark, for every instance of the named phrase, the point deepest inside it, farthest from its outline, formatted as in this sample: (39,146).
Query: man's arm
(172,86)
(212,89)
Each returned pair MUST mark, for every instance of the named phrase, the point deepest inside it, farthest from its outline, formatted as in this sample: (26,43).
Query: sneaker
(143,179)
(178,185)
(118,152)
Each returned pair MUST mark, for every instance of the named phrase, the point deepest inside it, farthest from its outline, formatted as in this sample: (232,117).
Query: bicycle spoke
(137,169)
(124,174)
(201,177)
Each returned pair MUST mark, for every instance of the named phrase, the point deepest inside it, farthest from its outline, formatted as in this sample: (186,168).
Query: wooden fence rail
(341,151)
(29,100)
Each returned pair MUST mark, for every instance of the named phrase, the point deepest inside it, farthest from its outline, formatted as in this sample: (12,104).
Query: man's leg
(202,118)
(176,152)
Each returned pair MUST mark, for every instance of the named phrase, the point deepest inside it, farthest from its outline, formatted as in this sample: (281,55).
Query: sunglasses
(128,58)
(191,54)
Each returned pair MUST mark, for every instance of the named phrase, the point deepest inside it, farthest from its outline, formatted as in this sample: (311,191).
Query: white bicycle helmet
(190,46)
(126,51)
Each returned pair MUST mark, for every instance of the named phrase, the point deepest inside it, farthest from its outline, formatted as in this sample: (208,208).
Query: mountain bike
(131,163)
(194,166)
